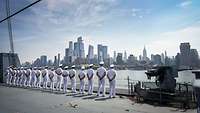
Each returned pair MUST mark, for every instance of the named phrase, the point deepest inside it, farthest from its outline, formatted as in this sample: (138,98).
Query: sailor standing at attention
(111,74)
(28,77)
(101,73)
(196,86)
(90,74)
(65,75)
(8,75)
(44,77)
(20,77)
(51,78)
(24,77)
(33,74)
(81,76)
(58,72)
(16,76)
(38,77)
(72,77)
(13,76)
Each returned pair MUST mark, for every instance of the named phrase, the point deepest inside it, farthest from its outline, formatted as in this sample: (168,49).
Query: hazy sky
(46,28)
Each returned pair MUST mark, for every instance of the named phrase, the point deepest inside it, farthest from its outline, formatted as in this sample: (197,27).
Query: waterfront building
(119,59)
(144,57)
(79,51)
(102,52)
(43,60)
(125,56)
(185,54)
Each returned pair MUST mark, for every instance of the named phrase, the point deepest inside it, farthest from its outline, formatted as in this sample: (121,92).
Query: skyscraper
(43,60)
(115,56)
(90,52)
(185,54)
(79,51)
(58,59)
(102,52)
(125,56)
(71,48)
(119,58)
(194,57)
(144,54)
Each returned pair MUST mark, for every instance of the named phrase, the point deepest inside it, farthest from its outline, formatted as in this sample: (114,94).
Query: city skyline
(121,25)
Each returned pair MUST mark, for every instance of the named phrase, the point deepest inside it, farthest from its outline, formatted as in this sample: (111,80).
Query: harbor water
(139,75)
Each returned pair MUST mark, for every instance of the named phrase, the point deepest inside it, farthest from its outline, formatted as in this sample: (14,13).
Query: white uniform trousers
(38,82)
(44,82)
(82,86)
(90,86)
(65,84)
(58,83)
(32,81)
(51,84)
(73,84)
(7,78)
(28,81)
(112,88)
(101,87)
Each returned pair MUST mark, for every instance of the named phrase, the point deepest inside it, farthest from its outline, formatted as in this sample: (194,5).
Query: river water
(139,75)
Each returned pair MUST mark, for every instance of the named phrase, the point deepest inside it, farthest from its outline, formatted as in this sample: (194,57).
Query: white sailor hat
(90,65)
(73,66)
(82,67)
(35,68)
(112,65)
(60,65)
(66,67)
(46,67)
(21,67)
(101,63)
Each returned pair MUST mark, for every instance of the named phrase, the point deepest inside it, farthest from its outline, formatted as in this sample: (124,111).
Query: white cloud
(185,4)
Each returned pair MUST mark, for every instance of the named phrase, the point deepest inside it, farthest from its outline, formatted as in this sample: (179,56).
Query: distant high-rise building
(144,54)
(119,58)
(90,52)
(194,57)
(58,59)
(79,51)
(102,52)
(163,58)
(115,56)
(125,56)
(157,59)
(43,60)
(185,54)
(55,61)
(71,49)
(131,60)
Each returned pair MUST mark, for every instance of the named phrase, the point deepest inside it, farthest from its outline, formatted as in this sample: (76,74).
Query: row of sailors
(30,77)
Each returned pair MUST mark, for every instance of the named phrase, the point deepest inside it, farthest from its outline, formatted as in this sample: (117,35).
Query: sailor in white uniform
(24,77)
(8,75)
(65,75)
(90,74)
(38,78)
(58,72)
(20,77)
(51,78)
(72,77)
(101,73)
(111,74)
(44,77)
(28,77)
(81,77)
(14,74)
(33,77)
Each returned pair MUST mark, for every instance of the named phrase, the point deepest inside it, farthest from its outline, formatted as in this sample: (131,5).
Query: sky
(48,26)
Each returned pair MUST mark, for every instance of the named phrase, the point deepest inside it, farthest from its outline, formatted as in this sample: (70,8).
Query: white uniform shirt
(111,73)
(44,73)
(58,71)
(28,72)
(38,72)
(65,73)
(90,73)
(101,71)
(72,72)
(51,74)
(81,74)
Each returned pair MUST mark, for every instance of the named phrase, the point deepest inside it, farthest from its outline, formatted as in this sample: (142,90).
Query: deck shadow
(90,97)
(102,98)
(80,95)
